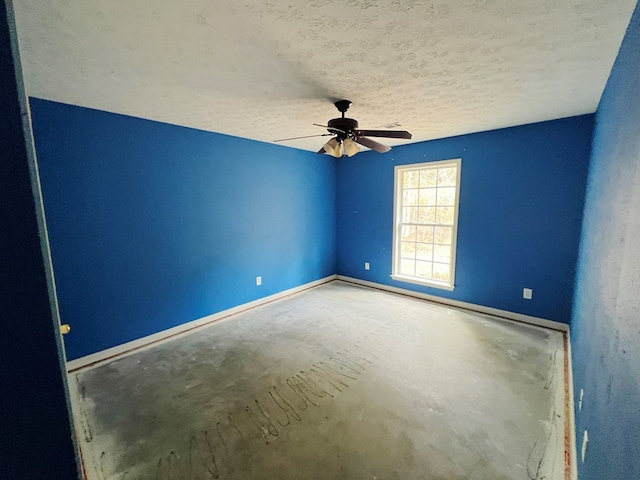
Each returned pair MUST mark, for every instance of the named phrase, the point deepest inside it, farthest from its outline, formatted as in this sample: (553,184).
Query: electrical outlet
(367,266)
(580,400)
(258,280)
(527,293)
(585,439)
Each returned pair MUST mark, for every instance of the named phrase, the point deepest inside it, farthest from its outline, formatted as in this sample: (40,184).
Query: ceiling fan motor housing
(344,127)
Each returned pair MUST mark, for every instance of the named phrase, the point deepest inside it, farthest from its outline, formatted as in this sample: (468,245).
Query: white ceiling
(268,69)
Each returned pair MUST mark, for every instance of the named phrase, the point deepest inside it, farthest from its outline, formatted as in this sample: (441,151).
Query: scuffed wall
(606,320)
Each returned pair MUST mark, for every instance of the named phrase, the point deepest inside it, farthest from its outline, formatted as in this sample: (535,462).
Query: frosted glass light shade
(350,147)
(333,147)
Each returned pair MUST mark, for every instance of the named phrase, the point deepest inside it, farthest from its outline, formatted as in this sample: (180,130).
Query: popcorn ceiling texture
(270,69)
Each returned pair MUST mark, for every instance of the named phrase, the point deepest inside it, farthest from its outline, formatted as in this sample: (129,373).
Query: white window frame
(397,223)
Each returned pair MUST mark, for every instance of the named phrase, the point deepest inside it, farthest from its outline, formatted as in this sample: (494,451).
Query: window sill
(425,283)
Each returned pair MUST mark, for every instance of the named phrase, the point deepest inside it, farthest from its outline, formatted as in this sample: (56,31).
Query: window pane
(441,272)
(444,215)
(427,215)
(411,179)
(407,267)
(410,198)
(442,253)
(447,177)
(424,251)
(425,234)
(408,233)
(446,196)
(428,178)
(442,235)
(427,197)
(410,215)
(408,250)
(431,215)
(423,269)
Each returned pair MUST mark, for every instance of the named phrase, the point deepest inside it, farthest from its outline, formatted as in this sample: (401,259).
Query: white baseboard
(171,333)
(157,338)
(518,317)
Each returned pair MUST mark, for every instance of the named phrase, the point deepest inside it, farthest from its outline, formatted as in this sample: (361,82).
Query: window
(426,222)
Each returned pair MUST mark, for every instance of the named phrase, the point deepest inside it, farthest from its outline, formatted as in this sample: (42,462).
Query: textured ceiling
(267,69)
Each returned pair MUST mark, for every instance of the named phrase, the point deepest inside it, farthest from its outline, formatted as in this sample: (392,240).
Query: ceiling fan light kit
(337,148)
(333,147)
(347,135)
(350,147)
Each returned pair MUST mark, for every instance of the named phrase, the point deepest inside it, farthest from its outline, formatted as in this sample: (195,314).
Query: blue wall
(153,225)
(35,429)
(521,199)
(606,320)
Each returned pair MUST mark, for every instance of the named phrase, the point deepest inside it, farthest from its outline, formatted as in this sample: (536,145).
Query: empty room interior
(320,240)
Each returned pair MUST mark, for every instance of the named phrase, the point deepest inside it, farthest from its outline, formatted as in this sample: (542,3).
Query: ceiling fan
(346,135)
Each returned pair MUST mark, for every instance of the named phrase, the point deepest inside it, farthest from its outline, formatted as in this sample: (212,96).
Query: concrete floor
(338,382)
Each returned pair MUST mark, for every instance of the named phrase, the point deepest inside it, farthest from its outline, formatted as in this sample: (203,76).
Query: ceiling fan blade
(384,133)
(372,144)
(305,136)
(333,130)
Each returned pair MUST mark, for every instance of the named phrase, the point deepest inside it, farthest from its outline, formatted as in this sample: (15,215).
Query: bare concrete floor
(339,382)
